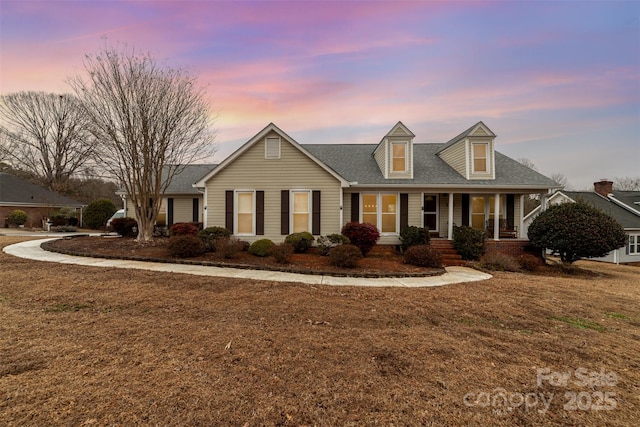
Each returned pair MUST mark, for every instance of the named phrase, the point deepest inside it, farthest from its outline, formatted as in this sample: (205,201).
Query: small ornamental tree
(362,235)
(18,217)
(98,212)
(576,230)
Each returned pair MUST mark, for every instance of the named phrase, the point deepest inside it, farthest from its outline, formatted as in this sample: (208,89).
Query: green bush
(362,235)
(64,216)
(326,243)
(185,246)
(97,213)
(210,234)
(300,241)
(124,226)
(228,247)
(345,256)
(282,252)
(423,256)
(261,247)
(499,262)
(412,235)
(469,242)
(576,230)
(18,217)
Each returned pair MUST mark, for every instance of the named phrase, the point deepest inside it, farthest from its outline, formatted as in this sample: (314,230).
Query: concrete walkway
(31,250)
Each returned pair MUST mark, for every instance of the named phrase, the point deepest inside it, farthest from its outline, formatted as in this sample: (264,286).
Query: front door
(430,211)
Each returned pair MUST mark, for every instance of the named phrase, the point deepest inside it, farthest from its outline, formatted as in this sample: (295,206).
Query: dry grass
(95,346)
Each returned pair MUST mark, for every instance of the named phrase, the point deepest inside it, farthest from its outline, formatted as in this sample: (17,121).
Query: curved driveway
(31,249)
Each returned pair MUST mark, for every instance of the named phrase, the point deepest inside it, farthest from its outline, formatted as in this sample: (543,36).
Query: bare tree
(627,183)
(145,118)
(527,162)
(562,180)
(45,135)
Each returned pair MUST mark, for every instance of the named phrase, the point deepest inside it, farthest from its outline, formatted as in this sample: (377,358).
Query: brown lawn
(96,346)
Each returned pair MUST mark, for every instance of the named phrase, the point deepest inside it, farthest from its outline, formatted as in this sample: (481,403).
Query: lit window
(381,210)
(399,162)
(480,154)
(300,213)
(272,148)
(245,212)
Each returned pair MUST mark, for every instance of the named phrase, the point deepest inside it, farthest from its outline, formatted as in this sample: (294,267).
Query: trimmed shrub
(499,262)
(261,247)
(300,241)
(64,216)
(18,217)
(210,234)
(469,242)
(362,235)
(423,256)
(64,229)
(326,243)
(412,235)
(282,252)
(97,213)
(185,246)
(345,256)
(576,230)
(183,229)
(228,247)
(124,226)
(529,262)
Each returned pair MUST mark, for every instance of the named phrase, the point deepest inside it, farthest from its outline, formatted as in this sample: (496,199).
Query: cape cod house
(273,186)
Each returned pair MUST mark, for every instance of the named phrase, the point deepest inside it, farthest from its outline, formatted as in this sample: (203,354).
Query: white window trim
(291,208)
(266,147)
(488,205)
(406,157)
(379,211)
(437,212)
(634,252)
(487,158)
(236,212)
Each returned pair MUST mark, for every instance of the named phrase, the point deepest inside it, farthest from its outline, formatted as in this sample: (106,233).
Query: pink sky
(558,82)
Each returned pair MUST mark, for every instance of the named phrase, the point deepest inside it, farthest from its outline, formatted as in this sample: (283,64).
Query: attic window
(272,147)
(399,157)
(480,158)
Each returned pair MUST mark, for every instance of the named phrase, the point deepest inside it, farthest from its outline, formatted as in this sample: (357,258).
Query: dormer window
(399,157)
(272,147)
(480,157)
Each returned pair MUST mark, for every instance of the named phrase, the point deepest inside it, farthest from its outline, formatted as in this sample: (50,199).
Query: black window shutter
(170,211)
(260,213)
(196,210)
(284,212)
(465,209)
(355,207)
(228,210)
(511,203)
(404,211)
(315,213)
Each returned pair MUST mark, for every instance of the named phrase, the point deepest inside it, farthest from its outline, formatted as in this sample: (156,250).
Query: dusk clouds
(557,81)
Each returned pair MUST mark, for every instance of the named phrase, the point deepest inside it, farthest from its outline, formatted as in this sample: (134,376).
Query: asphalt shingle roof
(356,163)
(13,190)
(626,218)
(182,183)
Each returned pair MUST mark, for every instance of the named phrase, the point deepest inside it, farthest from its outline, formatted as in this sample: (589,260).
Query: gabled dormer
(472,153)
(394,154)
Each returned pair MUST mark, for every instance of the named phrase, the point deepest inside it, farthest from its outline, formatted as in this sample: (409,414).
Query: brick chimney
(604,187)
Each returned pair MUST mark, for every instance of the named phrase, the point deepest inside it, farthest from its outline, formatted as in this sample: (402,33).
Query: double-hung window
(634,244)
(381,210)
(300,212)
(480,158)
(399,157)
(245,213)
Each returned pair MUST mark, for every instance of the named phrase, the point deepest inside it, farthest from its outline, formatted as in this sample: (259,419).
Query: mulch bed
(382,261)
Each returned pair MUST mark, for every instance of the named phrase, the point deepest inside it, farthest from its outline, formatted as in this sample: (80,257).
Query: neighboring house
(37,202)
(273,186)
(181,202)
(623,206)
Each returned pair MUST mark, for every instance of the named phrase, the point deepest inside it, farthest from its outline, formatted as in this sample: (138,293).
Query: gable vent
(272,148)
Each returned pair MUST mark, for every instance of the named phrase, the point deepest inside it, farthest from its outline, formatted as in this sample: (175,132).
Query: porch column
(496,217)
(521,222)
(450,221)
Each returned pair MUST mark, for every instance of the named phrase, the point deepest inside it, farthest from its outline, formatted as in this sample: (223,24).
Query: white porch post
(450,221)
(496,217)
(521,222)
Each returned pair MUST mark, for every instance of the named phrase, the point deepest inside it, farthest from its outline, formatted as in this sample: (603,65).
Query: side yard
(95,346)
